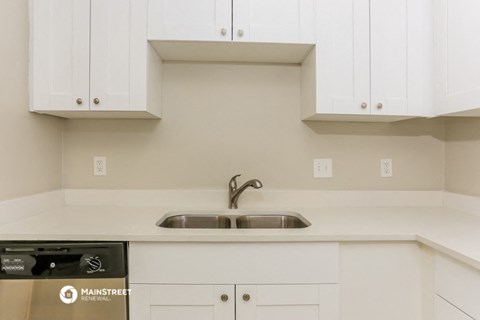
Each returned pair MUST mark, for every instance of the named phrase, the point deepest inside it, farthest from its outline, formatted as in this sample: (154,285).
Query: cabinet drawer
(459,284)
(239,263)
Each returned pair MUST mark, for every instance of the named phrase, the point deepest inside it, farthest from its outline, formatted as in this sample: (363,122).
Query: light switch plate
(322,168)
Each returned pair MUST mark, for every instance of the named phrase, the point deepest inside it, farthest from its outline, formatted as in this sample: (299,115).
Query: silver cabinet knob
(223,31)
(240,32)
(96,101)
(246,297)
(224,297)
(79,101)
(379,106)
(364,105)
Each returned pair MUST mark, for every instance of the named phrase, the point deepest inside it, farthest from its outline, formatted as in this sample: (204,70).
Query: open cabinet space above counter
(206,51)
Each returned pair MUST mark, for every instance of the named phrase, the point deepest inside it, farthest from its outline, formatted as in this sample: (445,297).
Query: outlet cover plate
(386,168)
(99,166)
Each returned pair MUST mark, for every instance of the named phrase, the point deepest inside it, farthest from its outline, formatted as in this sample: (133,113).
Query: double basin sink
(226,220)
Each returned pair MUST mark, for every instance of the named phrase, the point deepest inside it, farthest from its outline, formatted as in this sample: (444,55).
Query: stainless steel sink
(233,220)
(273,221)
(193,221)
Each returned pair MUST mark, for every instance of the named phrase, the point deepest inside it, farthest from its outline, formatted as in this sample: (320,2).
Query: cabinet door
(207,20)
(287,302)
(118,55)
(342,57)
(389,56)
(401,57)
(60,46)
(280,21)
(457,56)
(446,311)
(182,302)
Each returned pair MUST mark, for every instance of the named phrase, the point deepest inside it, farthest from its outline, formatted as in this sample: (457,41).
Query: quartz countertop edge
(451,232)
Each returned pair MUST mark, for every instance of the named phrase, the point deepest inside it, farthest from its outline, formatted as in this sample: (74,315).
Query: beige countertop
(452,232)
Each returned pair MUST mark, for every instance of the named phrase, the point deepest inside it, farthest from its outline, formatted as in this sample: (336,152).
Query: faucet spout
(234,191)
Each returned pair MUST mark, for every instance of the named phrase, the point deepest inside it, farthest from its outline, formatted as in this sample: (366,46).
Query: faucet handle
(233,182)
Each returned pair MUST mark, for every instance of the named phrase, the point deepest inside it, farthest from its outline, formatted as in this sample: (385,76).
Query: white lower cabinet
(241,281)
(457,285)
(446,311)
(229,302)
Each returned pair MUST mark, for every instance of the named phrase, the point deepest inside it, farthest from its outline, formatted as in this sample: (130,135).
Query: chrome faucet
(234,192)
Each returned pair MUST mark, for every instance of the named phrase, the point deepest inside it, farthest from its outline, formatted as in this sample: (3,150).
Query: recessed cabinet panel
(343,57)
(182,302)
(286,302)
(59,62)
(203,20)
(388,20)
(118,55)
(282,21)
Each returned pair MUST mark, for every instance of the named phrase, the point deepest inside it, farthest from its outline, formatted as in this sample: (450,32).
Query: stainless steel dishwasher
(63,281)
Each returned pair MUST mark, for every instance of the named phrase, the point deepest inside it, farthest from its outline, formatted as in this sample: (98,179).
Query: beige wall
(223,119)
(462,154)
(30,145)
(219,119)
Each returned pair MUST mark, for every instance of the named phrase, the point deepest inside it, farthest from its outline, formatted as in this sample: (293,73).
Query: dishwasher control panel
(59,260)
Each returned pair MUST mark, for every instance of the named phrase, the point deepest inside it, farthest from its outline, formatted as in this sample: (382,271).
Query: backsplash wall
(31,145)
(462,154)
(224,119)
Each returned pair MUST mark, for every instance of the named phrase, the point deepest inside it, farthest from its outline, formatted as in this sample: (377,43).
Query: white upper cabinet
(281,21)
(340,64)
(388,51)
(266,21)
(60,54)
(204,20)
(118,55)
(372,61)
(91,58)
(457,57)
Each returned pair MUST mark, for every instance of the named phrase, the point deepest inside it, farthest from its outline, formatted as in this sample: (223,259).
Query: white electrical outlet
(99,166)
(386,168)
(322,168)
